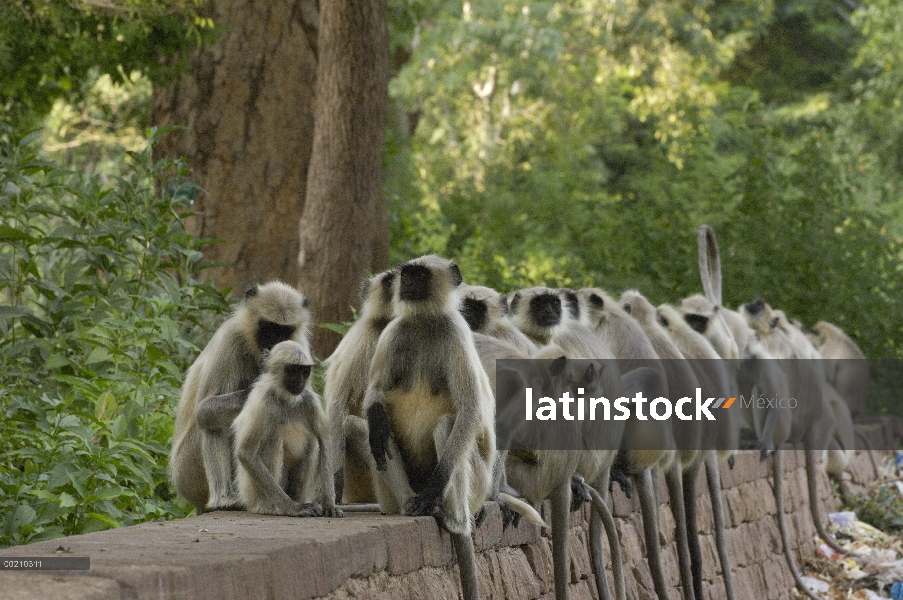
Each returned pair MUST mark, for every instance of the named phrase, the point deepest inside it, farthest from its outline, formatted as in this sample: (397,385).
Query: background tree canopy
(578,143)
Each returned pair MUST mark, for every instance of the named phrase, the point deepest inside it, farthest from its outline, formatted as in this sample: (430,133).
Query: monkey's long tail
(778,476)
(713,476)
(523,509)
(871,451)
(617,560)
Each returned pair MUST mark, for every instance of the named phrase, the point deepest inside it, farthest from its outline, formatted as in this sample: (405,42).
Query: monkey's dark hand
(378,424)
(428,500)
(579,492)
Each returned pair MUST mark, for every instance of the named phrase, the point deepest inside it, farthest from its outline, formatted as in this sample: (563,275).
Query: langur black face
(755,307)
(573,303)
(474,312)
(269,334)
(545,310)
(415,283)
(597,301)
(697,322)
(295,378)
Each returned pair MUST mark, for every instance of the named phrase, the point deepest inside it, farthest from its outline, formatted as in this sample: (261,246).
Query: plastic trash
(844,519)
(828,552)
(819,586)
(896,591)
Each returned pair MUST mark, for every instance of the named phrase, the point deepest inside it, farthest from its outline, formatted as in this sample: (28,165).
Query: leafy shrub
(100,315)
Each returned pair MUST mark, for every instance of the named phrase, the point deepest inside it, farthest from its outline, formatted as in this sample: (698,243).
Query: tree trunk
(344,225)
(247,105)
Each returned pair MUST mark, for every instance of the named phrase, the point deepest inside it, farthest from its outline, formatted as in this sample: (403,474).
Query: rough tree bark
(344,225)
(247,105)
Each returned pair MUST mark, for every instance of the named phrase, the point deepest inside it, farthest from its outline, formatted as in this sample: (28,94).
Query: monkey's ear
(305,302)
(662,320)
(628,309)
(774,322)
(557,365)
(590,373)
(573,303)
(515,301)
(456,275)
(252,291)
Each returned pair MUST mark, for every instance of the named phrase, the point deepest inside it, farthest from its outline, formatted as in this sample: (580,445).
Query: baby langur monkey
(280,439)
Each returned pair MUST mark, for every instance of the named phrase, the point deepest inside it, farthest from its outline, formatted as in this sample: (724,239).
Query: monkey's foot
(307,510)
(424,503)
(622,481)
(579,492)
(763,452)
(730,462)
(479,517)
(508,515)
(230,501)
(333,512)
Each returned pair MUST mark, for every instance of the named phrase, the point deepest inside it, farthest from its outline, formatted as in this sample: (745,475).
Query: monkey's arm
(216,413)
(379,428)
(249,439)
(467,395)
(319,428)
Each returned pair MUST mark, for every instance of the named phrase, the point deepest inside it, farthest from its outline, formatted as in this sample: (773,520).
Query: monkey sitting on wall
(216,387)
(280,435)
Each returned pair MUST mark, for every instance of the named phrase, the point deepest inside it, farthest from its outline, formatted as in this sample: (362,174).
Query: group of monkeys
(410,408)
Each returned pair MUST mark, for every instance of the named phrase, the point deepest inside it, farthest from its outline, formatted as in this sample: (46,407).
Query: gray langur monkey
(647,444)
(811,423)
(553,316)
(846,366)
(280,439)
(482,309)
(841,445)
(347,372)
(216,387)
(714,380)
(429,409)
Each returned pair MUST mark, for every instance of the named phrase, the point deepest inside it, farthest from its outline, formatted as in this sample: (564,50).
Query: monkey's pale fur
(229,363)
(281,435)
(346,382)
(489,319)
(451,429)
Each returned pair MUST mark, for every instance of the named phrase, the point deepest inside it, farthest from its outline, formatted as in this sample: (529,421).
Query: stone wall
(228,555)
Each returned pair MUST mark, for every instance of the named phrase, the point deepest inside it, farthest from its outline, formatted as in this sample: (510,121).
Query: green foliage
(881,507)
(101,315)
(577,143)
(48,47)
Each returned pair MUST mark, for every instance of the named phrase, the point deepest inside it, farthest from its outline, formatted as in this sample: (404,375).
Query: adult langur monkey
(540,473)
(430,410)
(722,435)
(845,365)
(217,385)
(281,439)
(346,382)
(842,445)
(482,309)
(682,382)
(553,316)
(645,442)
(811,423)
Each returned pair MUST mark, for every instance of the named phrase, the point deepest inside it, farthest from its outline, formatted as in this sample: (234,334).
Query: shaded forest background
(560,143)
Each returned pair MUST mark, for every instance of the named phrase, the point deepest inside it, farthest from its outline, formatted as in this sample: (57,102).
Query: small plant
(881,506)
(100,315)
